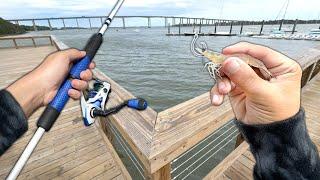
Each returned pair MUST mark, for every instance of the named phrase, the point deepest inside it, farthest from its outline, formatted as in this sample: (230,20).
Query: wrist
(28,92)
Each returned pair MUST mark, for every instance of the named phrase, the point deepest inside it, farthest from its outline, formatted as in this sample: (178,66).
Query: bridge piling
(90,23)
(34,25)
(294,26)
(165,22)
(231,24)
(123,23)
(241,28)
(64,25)
(77,23)
(149,22)
(101,20)
(180,27)
(215,28)
(194,26)
(49,25)
(281,23)
(261,29)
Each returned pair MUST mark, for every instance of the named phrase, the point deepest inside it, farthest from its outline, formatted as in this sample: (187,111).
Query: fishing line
(203,140)
(210,156)
(187,168)
(127,150)
(203,148)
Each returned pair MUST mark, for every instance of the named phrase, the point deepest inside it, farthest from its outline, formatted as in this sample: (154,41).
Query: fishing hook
(197,50)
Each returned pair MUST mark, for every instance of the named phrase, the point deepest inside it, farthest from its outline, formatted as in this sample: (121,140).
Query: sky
(226,9)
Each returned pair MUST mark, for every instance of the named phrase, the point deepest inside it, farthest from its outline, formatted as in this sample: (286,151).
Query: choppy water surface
(160,68)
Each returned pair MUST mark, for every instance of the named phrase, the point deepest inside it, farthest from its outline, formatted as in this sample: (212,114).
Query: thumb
(242,75)
(74,54)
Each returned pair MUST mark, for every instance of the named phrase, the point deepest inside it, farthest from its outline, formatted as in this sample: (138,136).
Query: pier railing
(156,143)
(32,41)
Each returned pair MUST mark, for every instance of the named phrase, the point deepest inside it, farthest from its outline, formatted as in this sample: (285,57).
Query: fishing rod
(53,110)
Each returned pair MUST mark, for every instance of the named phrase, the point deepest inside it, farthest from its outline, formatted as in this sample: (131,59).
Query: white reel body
(96,98)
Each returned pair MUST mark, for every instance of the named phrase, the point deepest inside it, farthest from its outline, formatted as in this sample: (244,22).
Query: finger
(79,84)
(92,65)
(73,54)
(74,94)
(242,75)
(224,86)
(269,57)
(216,97)
(86,75)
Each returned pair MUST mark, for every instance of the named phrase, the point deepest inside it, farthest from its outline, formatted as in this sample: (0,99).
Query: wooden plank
(234,174)
(162,174)
(105,167)
(113,152)
(242,169)
(246,161)
(239,140)
(183,126)
(135,126)
(227,162)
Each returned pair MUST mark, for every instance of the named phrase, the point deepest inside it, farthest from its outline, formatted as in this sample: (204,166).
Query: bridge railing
(172,144)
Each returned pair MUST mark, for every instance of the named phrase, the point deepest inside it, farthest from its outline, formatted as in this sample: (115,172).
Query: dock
(154,142)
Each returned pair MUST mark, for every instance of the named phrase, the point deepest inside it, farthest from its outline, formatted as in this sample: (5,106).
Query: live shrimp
(216,59)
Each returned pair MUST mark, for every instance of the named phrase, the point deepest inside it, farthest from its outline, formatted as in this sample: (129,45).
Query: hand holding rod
(53,110)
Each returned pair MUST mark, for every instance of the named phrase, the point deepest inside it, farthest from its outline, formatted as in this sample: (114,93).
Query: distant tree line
(8,28)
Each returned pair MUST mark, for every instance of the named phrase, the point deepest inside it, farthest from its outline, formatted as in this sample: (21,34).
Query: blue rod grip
(80,66)
(62,96)
(53,110)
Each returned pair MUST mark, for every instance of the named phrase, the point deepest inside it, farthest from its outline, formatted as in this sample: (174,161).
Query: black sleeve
(282,150)
(13,122)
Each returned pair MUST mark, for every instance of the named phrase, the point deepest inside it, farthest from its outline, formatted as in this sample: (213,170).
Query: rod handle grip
(53,110)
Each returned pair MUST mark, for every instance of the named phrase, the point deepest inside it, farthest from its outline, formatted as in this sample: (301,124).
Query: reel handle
(53,110)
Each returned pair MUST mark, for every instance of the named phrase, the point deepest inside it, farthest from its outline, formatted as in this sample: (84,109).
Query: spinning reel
(93,102)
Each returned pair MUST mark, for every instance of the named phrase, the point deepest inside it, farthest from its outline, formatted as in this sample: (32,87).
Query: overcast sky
(228,9)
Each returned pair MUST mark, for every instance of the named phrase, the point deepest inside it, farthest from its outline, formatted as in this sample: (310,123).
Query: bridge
(168,21)
(174,20)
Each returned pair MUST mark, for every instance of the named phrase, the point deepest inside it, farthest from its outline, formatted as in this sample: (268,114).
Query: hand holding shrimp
(254,99)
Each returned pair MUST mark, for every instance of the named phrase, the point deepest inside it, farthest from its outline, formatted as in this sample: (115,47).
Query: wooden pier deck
(70,150)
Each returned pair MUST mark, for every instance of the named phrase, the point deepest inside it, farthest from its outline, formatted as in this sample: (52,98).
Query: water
(161,69)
